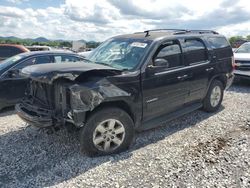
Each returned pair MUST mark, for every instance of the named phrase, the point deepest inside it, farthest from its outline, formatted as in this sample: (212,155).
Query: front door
(165,81)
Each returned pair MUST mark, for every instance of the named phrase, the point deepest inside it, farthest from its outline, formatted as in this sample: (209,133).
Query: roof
(21,47)
(37,46)
(168,33)
(49,52)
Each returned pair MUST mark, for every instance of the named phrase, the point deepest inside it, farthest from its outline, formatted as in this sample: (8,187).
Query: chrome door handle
(209,69)
(182,77)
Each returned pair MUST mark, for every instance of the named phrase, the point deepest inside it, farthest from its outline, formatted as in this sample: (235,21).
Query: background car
(13,85)
(242,61)
(39,48)
(85,54)
(8,50)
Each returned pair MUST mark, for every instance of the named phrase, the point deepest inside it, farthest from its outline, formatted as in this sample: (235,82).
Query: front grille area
(42,94)
(242,65)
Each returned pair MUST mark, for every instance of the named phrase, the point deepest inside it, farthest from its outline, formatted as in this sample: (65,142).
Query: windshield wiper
(85,59)
(104,64)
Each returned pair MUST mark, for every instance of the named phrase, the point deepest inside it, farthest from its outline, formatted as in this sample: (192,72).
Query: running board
(159,121)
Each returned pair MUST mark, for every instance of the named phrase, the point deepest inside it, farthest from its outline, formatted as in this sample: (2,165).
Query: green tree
(233,39)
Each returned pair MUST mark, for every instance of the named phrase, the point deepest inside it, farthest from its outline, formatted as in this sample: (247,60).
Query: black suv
(130,82)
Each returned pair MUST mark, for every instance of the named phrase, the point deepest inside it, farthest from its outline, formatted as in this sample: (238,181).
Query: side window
(42,60)
(194,51)
(33,61)
(171,52)
(5,51)
(218,42)
(25,63)
(14,51)
(58,59)
(65,58)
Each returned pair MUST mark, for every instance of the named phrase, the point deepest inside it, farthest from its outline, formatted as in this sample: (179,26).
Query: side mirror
(160,62)
(13,73)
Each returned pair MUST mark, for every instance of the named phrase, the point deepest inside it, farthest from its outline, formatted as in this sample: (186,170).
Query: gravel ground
(197,150)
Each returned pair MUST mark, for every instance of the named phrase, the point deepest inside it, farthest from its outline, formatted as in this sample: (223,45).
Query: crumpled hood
(49,72)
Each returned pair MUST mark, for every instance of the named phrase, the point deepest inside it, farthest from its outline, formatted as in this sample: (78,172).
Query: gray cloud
(219,17)
(127,8)
(228,3)
(97,17)
(11,12)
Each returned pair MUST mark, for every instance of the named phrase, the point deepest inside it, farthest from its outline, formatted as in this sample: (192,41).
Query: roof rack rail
(180,31)
(202,31)
(173,30)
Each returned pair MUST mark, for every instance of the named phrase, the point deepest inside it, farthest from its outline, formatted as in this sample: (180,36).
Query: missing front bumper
(33,117)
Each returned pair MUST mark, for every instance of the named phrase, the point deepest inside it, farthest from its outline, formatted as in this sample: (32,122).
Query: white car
(242,61)
(85,54)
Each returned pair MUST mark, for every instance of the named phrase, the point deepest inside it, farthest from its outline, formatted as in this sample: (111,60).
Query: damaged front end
(37,108)
(66,100)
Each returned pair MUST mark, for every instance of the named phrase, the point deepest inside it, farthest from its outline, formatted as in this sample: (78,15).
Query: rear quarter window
(221,47)
(218,42)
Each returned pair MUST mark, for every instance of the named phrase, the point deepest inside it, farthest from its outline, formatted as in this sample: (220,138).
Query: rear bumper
(33,117)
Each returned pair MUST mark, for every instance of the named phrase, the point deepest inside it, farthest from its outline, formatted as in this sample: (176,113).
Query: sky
(97,20)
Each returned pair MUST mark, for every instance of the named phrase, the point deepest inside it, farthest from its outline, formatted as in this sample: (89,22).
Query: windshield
(10,61)
(122,54)
(244,48)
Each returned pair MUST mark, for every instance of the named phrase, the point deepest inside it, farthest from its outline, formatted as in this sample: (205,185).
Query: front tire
(107,131)
(214,97)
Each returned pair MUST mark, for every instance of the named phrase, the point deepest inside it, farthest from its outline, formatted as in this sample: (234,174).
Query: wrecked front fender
(84,99)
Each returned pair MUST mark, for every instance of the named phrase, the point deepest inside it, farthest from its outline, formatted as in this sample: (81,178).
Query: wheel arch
(115,104)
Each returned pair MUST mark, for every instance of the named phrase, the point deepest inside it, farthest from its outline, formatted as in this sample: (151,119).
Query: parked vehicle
(12,84)
(8,50)
(39,48)
(132,82)
(242,61)
(85,54)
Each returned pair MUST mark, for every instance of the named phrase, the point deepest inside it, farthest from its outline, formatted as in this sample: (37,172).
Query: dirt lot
(197,150)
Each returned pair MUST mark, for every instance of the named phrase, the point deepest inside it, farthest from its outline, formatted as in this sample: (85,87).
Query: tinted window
(170,52)
(65,58)
(8,51)
(218,42)
(42,60)
(5,51)
(33,61)
(194,51)
(192,44)
(25,63)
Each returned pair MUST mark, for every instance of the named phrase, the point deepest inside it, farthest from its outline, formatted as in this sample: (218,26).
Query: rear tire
(214,97)
(107,131)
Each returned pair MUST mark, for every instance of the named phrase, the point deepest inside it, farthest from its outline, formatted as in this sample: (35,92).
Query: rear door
(164,87)
(199,67)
